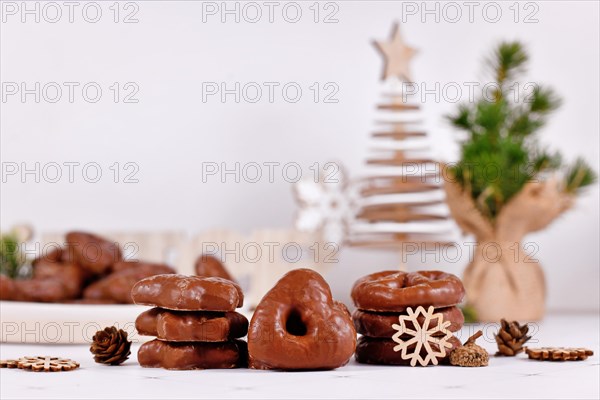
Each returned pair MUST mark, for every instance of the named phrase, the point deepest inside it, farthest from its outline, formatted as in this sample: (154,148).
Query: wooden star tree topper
(397,56)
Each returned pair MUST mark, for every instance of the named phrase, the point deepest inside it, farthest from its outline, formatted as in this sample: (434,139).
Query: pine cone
(110,346)
(511,337)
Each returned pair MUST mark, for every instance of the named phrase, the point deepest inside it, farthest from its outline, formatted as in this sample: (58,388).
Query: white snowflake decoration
(422,336)
(328,203)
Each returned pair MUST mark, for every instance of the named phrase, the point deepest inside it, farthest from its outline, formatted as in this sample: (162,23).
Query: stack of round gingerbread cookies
(194,322)
(382,297)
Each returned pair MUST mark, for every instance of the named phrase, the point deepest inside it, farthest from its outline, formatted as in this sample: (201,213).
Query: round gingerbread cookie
(394,291)
(381,351)
(379,325)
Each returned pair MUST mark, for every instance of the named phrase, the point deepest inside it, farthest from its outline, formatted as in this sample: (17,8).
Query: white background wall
(171,51)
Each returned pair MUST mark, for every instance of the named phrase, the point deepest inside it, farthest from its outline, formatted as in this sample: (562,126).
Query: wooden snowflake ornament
(420,339)
(327,203)
(559,353)
(47,364)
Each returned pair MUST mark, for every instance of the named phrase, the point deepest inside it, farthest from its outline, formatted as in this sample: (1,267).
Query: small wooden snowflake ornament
(421,338)
(47,364)
(9,363)
(559,353)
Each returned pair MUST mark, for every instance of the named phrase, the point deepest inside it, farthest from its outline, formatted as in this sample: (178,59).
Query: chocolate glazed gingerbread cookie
(93,252)
(379,325)
(298,326)
(191,326)
(218,355)
(207,265)
(117,286)
(188,293)
(381,351)
(394,291)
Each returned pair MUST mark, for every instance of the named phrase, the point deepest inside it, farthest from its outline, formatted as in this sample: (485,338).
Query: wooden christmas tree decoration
(403,201)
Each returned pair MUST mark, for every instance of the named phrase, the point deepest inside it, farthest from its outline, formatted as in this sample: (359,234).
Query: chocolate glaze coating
(381,351)
(71,276)
(117,286)
(67,255)
(8,289)
(379,325)
(46,290)
(53,254)
(53,280)
(92,252)
(127,264)
(217,355)
(188,293)
(191,326)
(145,323)
(91,301)
(207,265)
(396,290)
(298,326)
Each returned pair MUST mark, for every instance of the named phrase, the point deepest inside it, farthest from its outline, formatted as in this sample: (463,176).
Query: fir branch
(544,160)
(11,259)
(543,101)
(578,176)
(508,59)
(523,124)
(490,117)
(462,118)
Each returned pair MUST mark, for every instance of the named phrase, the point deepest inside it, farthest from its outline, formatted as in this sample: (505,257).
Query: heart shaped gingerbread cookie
(298,326)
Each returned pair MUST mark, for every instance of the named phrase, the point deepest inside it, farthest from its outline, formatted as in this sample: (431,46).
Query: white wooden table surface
(504,378)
